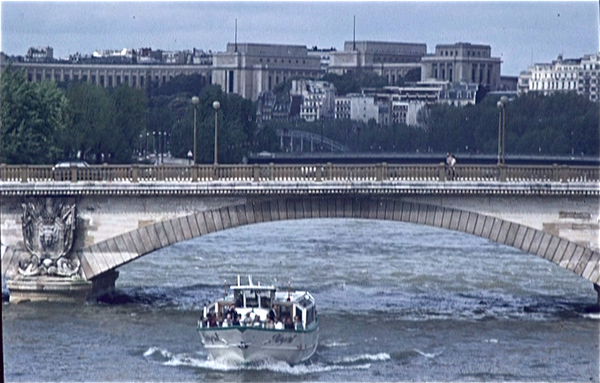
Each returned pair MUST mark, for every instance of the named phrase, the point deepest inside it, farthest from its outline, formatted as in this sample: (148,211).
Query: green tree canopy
(236,126)
(558,124)
(353,82)
(33,117)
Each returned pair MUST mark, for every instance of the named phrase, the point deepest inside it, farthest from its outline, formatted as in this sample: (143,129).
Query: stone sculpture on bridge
(48,232)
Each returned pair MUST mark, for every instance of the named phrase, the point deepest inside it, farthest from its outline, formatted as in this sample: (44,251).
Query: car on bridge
(61,171)
(68,164)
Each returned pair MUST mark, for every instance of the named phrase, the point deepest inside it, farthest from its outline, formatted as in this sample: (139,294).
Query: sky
(520,33)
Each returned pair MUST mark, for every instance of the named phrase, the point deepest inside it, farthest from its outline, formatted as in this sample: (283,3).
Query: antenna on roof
(531,56)
(354,35)
(235,35)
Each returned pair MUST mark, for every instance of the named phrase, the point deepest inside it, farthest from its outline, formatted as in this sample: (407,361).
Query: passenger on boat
(256,321)
(279,325)
(227,321)
(234,316)
(289,324)
(272,313)
(247,321)
(297,323)
(212,320)
(270,324)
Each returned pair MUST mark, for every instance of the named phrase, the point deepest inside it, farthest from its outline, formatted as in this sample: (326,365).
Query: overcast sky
(518,32)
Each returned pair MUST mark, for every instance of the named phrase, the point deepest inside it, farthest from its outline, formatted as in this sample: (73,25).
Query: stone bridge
(120,221)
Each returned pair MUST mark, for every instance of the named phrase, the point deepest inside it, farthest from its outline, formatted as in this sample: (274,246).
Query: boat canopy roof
(253,288)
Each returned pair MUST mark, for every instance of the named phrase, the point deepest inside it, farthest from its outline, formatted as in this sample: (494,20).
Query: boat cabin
(253,297)
(295,309)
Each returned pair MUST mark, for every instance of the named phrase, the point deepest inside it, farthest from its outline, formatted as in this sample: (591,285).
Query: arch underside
(112,253)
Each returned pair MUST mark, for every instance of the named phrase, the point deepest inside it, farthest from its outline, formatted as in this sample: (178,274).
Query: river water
(396,302)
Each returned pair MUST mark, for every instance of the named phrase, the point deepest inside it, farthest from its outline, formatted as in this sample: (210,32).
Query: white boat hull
(250,344)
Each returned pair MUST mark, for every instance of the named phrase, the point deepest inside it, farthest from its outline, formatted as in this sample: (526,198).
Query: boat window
(298,312)
(265,302)
(251,300)
(239,300)
(286,311)
(304,302)
(310,315)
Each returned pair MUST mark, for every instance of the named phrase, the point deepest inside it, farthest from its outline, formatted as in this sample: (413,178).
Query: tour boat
(255,323)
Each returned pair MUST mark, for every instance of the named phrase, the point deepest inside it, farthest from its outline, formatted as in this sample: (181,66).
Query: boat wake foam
(426,354)
(200,360)
(365,357)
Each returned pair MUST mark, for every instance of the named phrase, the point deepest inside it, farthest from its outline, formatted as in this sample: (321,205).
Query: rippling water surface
(396,302)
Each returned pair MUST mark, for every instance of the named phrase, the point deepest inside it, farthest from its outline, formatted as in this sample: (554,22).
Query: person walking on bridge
(450,166)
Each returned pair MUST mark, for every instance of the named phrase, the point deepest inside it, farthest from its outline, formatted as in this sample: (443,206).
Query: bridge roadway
(125,212)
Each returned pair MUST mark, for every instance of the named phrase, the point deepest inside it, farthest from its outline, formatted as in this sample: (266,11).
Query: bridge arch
(108,255)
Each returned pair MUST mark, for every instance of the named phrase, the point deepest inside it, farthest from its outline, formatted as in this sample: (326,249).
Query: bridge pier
(58,289)
(48,289)
(104,284)
(597,288)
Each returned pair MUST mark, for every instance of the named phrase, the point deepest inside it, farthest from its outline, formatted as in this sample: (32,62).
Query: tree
(353,82)
(236,126)
(90,135)
(130,120)
(563,123)
(33,116)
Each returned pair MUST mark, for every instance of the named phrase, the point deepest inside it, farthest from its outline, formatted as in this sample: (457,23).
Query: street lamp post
(154,143)
(159,154)
(195,101)
(216,105)
(502,130)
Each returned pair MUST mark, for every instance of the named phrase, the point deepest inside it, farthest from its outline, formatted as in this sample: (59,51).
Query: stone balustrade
(314,172)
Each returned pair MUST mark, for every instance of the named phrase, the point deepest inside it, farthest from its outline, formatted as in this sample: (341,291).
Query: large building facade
(318,99)
(579,76)
(462,63)
(109,76)
(388,59)
(250,69)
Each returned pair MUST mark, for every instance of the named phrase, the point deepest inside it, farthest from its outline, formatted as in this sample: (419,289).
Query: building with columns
(391,60)
(249,69)
(111,75)
(462,63)
(578,75)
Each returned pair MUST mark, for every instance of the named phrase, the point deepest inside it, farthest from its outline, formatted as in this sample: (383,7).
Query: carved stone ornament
(48,232)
